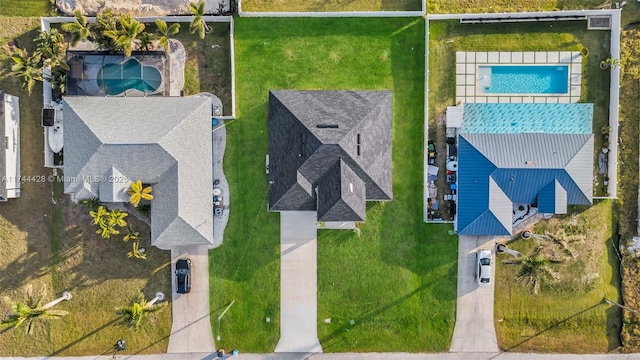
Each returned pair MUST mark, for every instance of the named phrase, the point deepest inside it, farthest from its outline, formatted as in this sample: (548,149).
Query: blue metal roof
(547,199)
(521,185)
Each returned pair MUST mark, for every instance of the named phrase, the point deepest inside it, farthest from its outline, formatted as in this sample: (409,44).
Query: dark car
(183,276)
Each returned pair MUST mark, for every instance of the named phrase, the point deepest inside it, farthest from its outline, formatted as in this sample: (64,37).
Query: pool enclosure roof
(162,141)
(104,74)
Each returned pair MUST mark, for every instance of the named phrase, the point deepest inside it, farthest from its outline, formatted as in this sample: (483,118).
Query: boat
(52,120)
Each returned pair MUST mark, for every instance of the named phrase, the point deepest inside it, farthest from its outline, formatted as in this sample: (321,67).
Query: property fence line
(333,14)
(614,90)
(45,25)
(425,154)
(614,105)
(563,14)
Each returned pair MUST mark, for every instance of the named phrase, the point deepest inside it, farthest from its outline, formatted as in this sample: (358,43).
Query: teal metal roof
(513,118)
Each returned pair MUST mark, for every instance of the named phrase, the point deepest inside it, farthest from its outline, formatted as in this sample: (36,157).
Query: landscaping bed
(397,280)
(551,298)
(475,6)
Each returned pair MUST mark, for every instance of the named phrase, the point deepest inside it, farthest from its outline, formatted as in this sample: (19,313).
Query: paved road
(298,282)
(474,330)
(191,328)
(364,356)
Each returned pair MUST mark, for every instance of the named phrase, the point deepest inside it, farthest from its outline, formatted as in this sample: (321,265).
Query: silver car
(483,267)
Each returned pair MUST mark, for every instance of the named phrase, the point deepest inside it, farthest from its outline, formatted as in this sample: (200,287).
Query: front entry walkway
(191,328)
(474,330)
(298,283)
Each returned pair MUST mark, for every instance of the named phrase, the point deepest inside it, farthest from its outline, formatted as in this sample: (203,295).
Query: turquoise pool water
(115,79)
(524,79)
(527,118)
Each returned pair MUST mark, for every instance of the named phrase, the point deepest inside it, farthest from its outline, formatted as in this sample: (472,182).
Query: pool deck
(467,75)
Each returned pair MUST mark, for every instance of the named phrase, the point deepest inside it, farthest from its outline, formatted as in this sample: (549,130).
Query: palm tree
(198,24)
(107,221)
(164,31)
(30,311)
(535,269)
(136,252)
(80,29)
(117,217)
(131,235)
(126,37)
(146,41)
(138,193)
(52,47)
(58,79)
(134,314)
(27,68)
(106,20)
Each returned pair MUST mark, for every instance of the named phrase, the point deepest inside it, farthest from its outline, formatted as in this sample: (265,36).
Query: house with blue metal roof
(521,154)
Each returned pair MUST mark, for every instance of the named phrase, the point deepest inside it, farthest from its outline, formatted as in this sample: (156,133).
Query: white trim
(233,66)
(528,15)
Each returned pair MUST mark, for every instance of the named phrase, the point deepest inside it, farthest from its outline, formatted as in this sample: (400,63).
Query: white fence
(332,14)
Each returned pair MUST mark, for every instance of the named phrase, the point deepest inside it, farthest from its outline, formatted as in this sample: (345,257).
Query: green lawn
(330,5)
(480,6)
(567,315)
(25,8)
(45,240)
(447,37)
(398,279)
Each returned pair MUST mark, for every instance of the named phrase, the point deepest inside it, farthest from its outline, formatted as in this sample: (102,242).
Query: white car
(483,267)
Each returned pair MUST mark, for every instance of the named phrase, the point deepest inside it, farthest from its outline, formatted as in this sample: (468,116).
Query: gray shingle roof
(341,194)
(311,131)
(163,141)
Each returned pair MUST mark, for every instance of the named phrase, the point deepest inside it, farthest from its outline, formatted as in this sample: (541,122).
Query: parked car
(183,276)
(483,267)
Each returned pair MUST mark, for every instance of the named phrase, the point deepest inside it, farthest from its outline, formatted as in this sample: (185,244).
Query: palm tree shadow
(86,336)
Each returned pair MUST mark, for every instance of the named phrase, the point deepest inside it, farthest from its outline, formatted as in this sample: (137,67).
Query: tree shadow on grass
(555,325)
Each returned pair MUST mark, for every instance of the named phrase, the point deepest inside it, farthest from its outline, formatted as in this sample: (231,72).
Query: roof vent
(351,187)
(531,163)
(327,126)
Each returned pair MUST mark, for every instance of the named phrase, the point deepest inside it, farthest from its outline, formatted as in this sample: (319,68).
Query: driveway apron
(474,330)
(191,328)
(298,283)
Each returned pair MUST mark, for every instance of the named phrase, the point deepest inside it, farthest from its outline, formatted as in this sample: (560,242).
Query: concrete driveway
(298,283)
(474,330)
(191,329)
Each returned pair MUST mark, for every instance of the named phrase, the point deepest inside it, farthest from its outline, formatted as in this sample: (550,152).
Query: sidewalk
(352,356)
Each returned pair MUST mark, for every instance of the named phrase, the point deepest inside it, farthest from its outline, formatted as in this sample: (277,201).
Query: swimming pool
(523,79)
(116,79)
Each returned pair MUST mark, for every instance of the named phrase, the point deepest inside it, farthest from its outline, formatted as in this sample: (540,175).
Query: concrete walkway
(298,282)
(474,330)
(191,328)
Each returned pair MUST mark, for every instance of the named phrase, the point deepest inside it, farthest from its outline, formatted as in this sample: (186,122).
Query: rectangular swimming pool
(523,79)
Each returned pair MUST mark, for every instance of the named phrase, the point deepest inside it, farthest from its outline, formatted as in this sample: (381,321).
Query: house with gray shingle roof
(329,151)
(163,141)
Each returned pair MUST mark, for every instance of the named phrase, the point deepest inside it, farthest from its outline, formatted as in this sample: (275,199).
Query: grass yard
(481,6)
(447,37)
(330,5)
(47,241)
(567,314)
(208,66)
(398,279)
(26,8)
